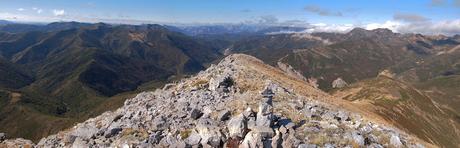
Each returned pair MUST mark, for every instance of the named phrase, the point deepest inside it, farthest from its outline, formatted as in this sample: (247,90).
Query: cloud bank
(58,12)
(447,27)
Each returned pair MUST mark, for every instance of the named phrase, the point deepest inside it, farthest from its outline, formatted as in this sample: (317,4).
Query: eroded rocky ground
(231,104)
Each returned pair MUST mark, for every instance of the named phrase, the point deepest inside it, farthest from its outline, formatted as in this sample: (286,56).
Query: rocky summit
(240,102)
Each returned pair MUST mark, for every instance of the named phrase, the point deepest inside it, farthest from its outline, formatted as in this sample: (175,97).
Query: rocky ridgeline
(213,109)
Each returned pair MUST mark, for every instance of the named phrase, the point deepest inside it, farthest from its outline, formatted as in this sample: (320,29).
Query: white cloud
(24,17)
(58,12)
(21,9)
(446,27)
(38,10)
(322,27)
(392,25)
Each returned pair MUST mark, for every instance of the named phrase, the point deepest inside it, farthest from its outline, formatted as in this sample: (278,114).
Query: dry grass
(131,131)
(199,83)
(185,134)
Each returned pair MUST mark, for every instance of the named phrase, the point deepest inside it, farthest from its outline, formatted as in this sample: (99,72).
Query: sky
(421,16)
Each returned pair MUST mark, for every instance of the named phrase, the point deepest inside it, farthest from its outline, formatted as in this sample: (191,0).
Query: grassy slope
(406,107)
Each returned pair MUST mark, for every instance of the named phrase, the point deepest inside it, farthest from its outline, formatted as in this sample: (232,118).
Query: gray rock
(159,124)
(2,136)
(195,114)
(283,130)
(168,141)
(339,83)
(365,129)
(69,139)
(290,125)
(395,141)
(193,139)
(224,115)
(358,138)
(179,144)
(252,123)
(248,112)
(79,143)
(329,145)
(252,140)
(112,132)
(155,138)
(209,133)
(85,131)
(371,139)
(290,140)
(265,114)
(264,132)
(237,126)
(307,146)
(375,145)
(222,82)
(277,140)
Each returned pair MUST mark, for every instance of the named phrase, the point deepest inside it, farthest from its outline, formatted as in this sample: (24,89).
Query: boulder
(155,138)
(222,82)
(193,139)
(307,146)
(339,83)
(85,131)
(277,140)
(224,115)
(2,136)
(112,132)
(264,131)
(79,143)
(252,140)
(209,133)
(395,141)
(159,124)
(248,112)
(265,114)
(195,114)
(290,140)
(237,126)
(283,130)
(358,139)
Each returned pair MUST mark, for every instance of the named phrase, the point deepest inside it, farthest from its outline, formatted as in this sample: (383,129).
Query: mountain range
(67,72)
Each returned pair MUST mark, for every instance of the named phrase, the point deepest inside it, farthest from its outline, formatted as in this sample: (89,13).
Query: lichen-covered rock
(193,139)
(237,126)
(210,134)
(253,140)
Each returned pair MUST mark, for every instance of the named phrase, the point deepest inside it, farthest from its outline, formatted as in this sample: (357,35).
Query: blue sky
(354,12)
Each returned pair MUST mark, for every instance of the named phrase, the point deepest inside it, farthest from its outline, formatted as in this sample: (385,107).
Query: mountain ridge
(230,84)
